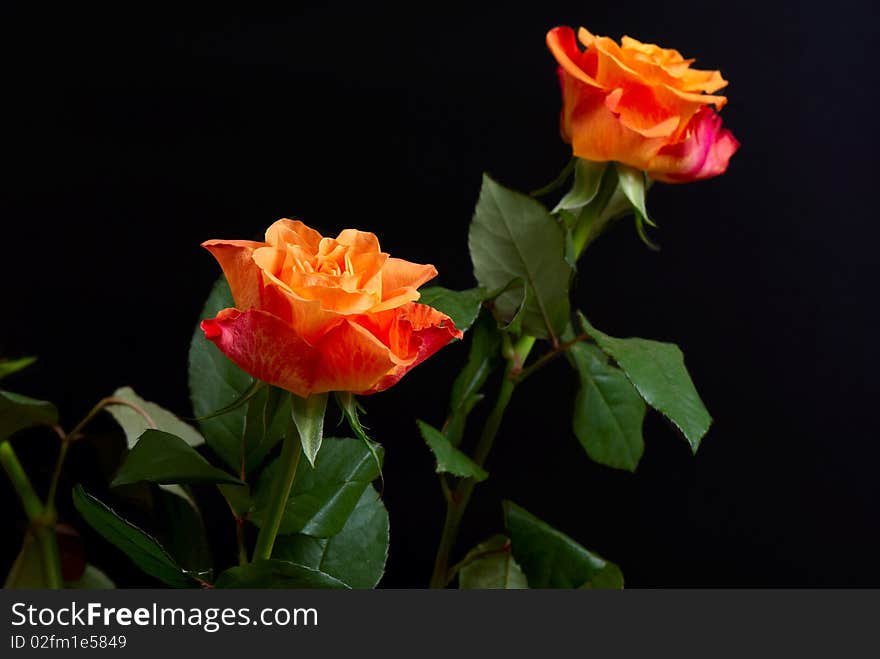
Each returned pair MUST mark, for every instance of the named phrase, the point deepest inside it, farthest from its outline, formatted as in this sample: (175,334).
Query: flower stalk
(41,516)
(291,452)
(459,497)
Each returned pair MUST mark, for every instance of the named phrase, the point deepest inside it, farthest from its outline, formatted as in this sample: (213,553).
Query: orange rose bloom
(317,314)
(641,105)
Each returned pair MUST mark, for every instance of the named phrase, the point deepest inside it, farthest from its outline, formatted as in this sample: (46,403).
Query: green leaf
(483,359)
(184,531)
(134,424)
(551,559)
(308,416)
(509,315)
(275,573)
(215,382)
(10,366)
(91,579)
(658,372)
(322,497)
(238,497)
(142,549)
(608,411)
(491,565)
(159,457)
(18,412)
(587,179)
(513,236)
(356,555)
(633,183)
(449,458)
(462,306)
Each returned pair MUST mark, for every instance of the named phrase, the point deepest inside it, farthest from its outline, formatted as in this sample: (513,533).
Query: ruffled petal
(237,262)
(639,110)
(306,317)
(413,333)
(597,134)
(351,359)
(265,347)
(334,298)
(704,154)
(398,274)
(285,232)
(359,241)
(561,42)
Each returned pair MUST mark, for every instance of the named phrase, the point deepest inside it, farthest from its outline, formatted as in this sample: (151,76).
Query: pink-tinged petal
(351,359)
(413,333)
(236,258)
(265,347)
(704,154)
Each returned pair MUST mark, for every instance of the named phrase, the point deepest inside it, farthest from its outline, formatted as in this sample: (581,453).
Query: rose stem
(457,500)
(42,522)
(291,451)
(459,497)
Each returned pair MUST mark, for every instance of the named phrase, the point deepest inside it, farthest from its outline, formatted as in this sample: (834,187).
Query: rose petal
(704,154)
(351,359)
(265,347)
(561,42)
(292,232)
(640,111)
(398,274)
(333,298)
(414,333)
(236,259)
(360,242)
(306,317)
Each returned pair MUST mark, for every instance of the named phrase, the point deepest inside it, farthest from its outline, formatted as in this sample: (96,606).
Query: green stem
(51,556)
(291,452)
(33,507)
(239,539)
(460,497)
(56,474)
(548,357)
(73,435)
(41,517)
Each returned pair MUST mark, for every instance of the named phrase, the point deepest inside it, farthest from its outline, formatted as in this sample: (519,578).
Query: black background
(132,136)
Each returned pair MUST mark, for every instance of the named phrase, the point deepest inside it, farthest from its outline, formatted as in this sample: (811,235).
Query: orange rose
(319,314)
(641,105)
